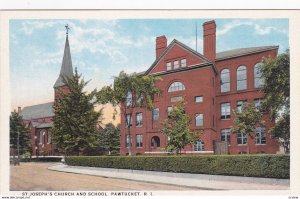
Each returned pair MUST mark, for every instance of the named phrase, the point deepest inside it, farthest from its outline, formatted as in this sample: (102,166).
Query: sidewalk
(203,181)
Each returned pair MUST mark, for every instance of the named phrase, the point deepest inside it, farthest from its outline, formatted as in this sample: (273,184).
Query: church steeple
(66,66)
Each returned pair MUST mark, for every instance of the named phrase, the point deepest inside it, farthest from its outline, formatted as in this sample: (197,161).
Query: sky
(100,49)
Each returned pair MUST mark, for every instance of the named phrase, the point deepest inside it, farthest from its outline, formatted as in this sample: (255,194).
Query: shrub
(271,166)
(42,159)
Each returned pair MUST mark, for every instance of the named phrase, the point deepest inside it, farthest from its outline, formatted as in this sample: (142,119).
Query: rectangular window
(242,138)
(139,100)
(41,137)
(225,135)
(128,119)
(199,119)
(176,64)
(239,105)
(129,98)
(183,63)
(139,140)
(139,119)
(176,99)
(260,135)
(225,111)
(198,99)
(128,140)
(169,67)
(155,114)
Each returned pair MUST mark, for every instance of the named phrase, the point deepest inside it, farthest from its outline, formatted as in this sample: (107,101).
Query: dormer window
(176,64)
(168,65)
(183,63)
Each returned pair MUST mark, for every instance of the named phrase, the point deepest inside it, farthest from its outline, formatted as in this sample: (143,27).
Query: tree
(75,121)
(276,73)
(129,92)
(246,120)
(110,139)
(176,127)
(17,129)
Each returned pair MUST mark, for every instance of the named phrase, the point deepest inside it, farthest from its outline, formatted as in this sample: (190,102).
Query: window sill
(225,119)
(139,126)
(261,144)
(242,144)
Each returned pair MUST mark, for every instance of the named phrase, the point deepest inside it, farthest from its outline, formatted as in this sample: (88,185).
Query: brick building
(212,84)
(39,118)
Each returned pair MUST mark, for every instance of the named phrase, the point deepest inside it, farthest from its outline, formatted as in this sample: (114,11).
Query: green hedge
(271,166)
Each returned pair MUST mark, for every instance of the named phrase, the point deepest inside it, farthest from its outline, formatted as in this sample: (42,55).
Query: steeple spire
(66,66)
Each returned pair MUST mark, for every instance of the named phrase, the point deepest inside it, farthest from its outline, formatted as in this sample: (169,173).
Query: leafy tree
(75,120)
(246,120)
(110,139)
(176,127)
(15,121)
(276,72)
(128,92)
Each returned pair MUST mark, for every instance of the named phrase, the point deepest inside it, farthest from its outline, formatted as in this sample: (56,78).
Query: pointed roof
(66,66)
(37,111)
(202,57)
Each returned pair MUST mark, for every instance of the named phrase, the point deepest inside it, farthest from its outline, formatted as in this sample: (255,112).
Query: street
(36,177)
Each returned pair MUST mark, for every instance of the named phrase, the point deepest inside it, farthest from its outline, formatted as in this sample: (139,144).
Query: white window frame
(139,140)
(129,99)
(241,78)
(200,118)
(168,66)
(176,86)
(49,137)
(139,119)
(128,141)
(243,137)
(224,83)
(260,134)
(176,64)
(128,115)
(155,114)
(226,133)
(183,63)
(225,111)
(198,145)
(199,99)
(259,81)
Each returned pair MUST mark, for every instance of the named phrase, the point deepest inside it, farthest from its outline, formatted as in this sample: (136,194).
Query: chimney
(161,45)
(19,109)
(209,40)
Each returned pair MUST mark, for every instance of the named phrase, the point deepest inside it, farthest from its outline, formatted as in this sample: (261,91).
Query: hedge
(271,166)
(42,159)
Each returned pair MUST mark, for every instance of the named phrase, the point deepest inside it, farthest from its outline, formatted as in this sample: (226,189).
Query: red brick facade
(200,76)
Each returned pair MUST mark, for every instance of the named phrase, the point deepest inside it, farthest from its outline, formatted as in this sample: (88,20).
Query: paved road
(36,176)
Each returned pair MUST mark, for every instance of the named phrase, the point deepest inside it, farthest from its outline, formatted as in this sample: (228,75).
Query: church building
(213,84)
(39,118)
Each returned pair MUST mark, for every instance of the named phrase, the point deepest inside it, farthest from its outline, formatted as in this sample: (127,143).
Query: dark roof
(37,111)
(66,66)
(243,51)
(42,124)
(205,60)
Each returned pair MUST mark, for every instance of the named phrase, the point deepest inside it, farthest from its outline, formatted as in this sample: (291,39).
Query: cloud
(28,27)
(258,29)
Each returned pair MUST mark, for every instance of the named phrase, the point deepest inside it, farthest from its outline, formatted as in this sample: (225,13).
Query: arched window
(241,78)
(155,141)
(176,86)
(199,145)
(225,80)
(258,79)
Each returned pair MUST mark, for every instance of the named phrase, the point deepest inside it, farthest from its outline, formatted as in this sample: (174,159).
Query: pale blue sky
(102,48)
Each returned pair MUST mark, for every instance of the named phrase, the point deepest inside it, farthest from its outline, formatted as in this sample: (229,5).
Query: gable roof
(66,66)
(205,60)
(37,111)
(242,51)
